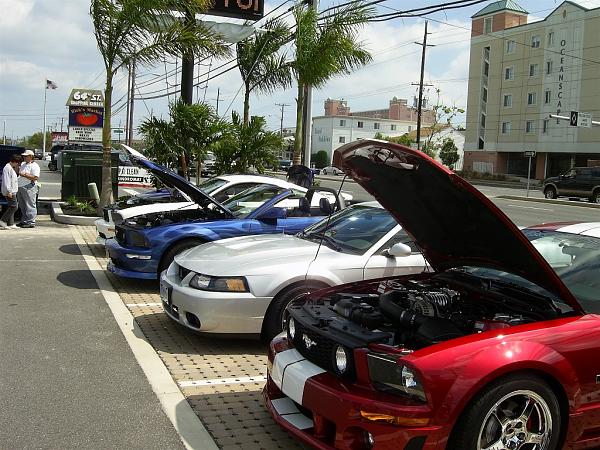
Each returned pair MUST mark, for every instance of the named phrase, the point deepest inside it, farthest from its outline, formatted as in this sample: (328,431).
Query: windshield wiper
(328,240)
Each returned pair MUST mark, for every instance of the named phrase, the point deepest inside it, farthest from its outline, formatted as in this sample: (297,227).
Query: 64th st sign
(241,9)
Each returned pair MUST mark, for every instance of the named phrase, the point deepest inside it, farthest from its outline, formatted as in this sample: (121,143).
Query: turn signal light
(395,420)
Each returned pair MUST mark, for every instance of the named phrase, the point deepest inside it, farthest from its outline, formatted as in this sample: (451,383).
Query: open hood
(171,179)
(452,222)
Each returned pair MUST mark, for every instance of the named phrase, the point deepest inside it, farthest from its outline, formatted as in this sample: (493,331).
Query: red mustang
(496,347)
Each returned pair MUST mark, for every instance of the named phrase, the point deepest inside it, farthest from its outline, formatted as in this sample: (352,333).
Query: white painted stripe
(222,381)
(192,432)
(143,305)
(530,207)
(290,372)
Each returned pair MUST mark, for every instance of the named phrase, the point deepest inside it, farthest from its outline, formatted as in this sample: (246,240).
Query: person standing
(29,173)
(9,189)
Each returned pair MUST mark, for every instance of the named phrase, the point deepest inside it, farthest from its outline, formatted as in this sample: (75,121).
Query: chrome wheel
(520,420)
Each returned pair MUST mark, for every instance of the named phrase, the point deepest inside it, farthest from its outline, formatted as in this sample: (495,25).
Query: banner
(59,137)
(132,176)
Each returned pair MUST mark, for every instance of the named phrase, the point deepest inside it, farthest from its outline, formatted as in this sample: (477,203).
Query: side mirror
(398,250)
(273,214)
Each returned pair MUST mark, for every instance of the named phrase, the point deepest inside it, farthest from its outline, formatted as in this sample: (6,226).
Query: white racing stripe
(222,381)
(288,410)
(290,372)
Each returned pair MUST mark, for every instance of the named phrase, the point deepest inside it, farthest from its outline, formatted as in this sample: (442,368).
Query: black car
(578,182)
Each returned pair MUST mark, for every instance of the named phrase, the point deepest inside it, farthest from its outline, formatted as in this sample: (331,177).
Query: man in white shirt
(29,172)
(9,188)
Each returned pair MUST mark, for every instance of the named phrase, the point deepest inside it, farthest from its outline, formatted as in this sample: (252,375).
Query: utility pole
(420,104)
(128,102)
(131,103)
(62,122)
(187,69)
(306,141)
(283,105)
(218,100)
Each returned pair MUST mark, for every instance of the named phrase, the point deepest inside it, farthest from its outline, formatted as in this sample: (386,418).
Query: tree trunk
(183,164)
(106,195)
(247,105)
(299,123)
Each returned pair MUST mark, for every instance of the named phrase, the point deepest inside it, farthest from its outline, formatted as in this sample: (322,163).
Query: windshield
(352,230)
(246,202)
(210,186)
(576,260)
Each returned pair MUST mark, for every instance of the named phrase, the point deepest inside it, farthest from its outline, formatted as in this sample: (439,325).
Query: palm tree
(143,31)
(325,48)
(261,66)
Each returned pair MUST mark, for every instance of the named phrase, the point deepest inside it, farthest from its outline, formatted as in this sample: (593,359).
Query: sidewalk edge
(58,216)
(191,431)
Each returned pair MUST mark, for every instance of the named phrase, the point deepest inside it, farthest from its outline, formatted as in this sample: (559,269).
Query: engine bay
(188,214)
(414,314)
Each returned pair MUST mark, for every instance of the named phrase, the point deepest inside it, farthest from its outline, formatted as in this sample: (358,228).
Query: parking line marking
(142,305)
(530,207)
(187,424)
(222,381)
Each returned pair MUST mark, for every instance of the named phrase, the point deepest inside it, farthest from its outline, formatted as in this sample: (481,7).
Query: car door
(381,265)
(583,182)
(567,184)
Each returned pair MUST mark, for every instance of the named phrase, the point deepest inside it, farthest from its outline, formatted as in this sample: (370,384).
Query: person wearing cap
(9,188)
(29,172)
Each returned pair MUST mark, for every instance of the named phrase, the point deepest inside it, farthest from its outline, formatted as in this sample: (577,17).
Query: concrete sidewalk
(68,379)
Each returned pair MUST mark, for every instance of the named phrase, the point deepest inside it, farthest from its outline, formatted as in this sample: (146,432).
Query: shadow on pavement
(78,279)
(70,249)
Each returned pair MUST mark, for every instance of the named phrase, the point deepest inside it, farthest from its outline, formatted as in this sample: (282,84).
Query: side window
(402,237)
(229,192)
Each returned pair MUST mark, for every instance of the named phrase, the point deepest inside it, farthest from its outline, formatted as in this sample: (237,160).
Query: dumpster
(82,167)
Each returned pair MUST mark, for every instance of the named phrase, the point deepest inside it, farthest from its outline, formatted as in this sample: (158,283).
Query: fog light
(292,328)
(134,256)
(341,359)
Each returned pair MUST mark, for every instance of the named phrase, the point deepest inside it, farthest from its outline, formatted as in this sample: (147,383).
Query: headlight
(137,239)
(389,375)
(292,328)
(341,360)
(219,284)
(116,217)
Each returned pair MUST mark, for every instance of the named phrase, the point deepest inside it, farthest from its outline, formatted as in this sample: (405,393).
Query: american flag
(51,84)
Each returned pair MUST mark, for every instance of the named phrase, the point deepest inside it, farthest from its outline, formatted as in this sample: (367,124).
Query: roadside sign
(584,120)
(86,97)
(573,118)
(85,134)
(239,9)
(529,154)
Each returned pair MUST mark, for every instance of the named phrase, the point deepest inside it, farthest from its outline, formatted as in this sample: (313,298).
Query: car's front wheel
(170,254)
(550,192)
(518,413)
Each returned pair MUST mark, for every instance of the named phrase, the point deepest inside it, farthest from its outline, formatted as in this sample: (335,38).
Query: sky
(53,39)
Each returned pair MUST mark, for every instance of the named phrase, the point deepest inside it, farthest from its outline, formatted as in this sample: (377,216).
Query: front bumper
(130,262)
(105,230)
(212,312)
(325,412)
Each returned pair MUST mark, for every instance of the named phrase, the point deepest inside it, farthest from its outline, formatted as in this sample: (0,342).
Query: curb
(549,201)
(58,216)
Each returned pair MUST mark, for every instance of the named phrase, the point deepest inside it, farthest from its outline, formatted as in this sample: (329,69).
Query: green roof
(502,5)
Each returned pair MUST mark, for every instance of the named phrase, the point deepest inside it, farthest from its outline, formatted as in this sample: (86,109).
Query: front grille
(106,214)
(320,353)
(120,235)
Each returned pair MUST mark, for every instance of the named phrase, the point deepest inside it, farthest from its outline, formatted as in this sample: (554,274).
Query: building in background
(519,74)
(339,125)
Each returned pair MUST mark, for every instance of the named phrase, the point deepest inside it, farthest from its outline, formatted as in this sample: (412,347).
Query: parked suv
(577,182)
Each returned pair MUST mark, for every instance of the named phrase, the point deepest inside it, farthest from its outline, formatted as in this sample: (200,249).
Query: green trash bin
(82,167)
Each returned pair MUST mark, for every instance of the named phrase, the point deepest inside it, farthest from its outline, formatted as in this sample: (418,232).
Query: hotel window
(545,126)
(487,25)
(547,96)
(342,139)
(505,127)
(510,46)
(551,39)
(507,100)
(533,70)
(509,73)
(529,128)
(360,124)
(376,126)
(548,67)
(484,93)
(342,122)
(393,127)
(531,98)
(483,121)
(535,41)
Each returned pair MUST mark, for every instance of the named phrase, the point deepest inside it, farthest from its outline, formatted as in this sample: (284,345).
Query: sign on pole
(529,154)
(573,118)
(584,120)
(239,9)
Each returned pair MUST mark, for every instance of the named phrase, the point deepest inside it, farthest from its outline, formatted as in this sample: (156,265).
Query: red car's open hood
(453,223)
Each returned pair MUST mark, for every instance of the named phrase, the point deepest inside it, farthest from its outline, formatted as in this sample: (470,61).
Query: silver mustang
(243,285)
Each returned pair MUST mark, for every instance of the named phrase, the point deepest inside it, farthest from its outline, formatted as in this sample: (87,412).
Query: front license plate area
(166,292)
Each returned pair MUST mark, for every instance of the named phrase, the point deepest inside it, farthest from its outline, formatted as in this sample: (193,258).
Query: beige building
(519,74)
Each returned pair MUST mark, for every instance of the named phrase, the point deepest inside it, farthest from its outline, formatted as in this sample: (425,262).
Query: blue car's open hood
(171,179)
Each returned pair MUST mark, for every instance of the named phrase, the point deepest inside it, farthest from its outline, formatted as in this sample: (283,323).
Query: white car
(330,170)
(243,285)
(221,188)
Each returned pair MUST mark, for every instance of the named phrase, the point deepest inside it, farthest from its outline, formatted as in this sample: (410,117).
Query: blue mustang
(145,245)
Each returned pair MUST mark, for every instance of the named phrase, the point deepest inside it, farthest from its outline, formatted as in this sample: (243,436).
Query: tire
(550,192)
(170,254)
(276,315)
(324,172)
(595,198)
(478,428)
